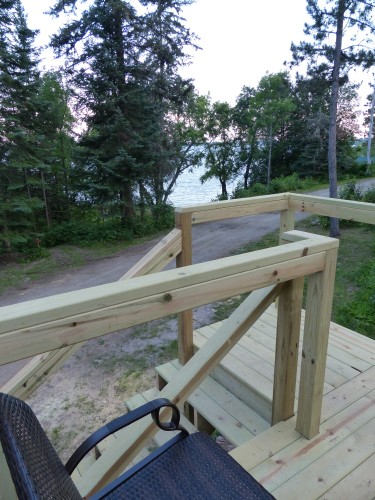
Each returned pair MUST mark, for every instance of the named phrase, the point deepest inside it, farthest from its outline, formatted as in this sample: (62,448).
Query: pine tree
(19,79)
(343,18)
(126,81)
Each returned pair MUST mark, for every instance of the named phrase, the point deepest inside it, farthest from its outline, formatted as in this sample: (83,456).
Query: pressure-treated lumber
(332,207)
(49,335)
(286,353)
(287,221)
(185,318)
(158,257)
(314,349)
(259,450)
(302,456)
(77,316)
(239,211)
(185,382)
(228,204)
(38,368)
(15,317)
(229,415)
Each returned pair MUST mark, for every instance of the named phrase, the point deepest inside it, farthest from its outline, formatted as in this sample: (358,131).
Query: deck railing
(60,324)
(287,204)
(65,320)
(178,245)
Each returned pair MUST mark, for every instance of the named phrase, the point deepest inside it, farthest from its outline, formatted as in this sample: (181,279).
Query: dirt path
(92,386)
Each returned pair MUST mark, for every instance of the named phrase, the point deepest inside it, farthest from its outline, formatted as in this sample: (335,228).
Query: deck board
(339,462)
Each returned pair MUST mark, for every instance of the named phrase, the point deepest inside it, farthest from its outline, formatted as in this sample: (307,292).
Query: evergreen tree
(326,55)
(19,80)
(125,73)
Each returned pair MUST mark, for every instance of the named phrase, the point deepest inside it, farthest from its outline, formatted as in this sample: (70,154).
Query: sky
(240,40)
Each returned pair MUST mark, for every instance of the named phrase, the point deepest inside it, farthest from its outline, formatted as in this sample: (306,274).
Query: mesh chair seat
(194,468)
(187,466)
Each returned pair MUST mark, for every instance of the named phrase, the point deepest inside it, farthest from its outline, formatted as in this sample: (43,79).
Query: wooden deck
(339,462)
(229,379)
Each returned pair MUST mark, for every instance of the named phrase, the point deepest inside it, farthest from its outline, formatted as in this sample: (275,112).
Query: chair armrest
(153,408)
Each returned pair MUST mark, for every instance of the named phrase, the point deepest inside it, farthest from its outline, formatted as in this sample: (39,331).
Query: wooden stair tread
(223,410)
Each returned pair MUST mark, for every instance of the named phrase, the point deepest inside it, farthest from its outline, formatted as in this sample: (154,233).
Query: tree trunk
(46,208)
(249,161)
(127,200)
(332,133)
(269,159)
(370,131)
(224,192)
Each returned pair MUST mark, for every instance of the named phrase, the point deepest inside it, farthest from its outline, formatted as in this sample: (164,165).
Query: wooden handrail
(67,319)
(45,324)
(197,368)
(333,207)
(41,366)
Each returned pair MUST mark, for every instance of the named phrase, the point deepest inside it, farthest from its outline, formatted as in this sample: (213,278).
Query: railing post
(315,343)
(185,318)
(287,220)
(286,353)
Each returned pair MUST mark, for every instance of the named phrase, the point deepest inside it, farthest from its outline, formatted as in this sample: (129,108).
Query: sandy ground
(93,385)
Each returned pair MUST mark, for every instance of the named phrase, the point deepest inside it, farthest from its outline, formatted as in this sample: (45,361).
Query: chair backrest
(35,467)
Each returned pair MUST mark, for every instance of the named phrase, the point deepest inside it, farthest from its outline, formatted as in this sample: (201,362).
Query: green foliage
(124,64)
(109,231)
(85,233)
(285,184)
(369,195)
(351,191)
(220,148)
(33,253)
(359,314)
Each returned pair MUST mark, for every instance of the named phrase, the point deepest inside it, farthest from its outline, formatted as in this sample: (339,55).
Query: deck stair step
(246,375)
(222,409)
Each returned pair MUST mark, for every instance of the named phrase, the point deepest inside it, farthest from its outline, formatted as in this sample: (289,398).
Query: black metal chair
(187,466)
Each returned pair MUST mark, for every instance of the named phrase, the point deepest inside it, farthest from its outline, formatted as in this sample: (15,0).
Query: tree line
(109,134)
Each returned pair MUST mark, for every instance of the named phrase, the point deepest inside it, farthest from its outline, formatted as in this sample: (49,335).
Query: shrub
(111,230)
(277,185)
(86,233)
(351,191)
(369,195)
(32,253)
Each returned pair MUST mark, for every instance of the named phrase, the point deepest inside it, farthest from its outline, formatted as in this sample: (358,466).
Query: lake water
(190,190)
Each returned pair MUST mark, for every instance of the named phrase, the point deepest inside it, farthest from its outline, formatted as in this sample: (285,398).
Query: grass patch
(354,296)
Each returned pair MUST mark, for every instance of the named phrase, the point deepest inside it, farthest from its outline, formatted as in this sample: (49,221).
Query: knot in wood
(167,297)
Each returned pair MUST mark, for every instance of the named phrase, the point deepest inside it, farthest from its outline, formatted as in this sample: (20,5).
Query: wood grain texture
(184,383)
(158,257)
(315,342)
(287,346)
(185,318)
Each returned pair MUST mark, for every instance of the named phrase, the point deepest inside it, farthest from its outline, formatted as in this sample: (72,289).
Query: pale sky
(241,40)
